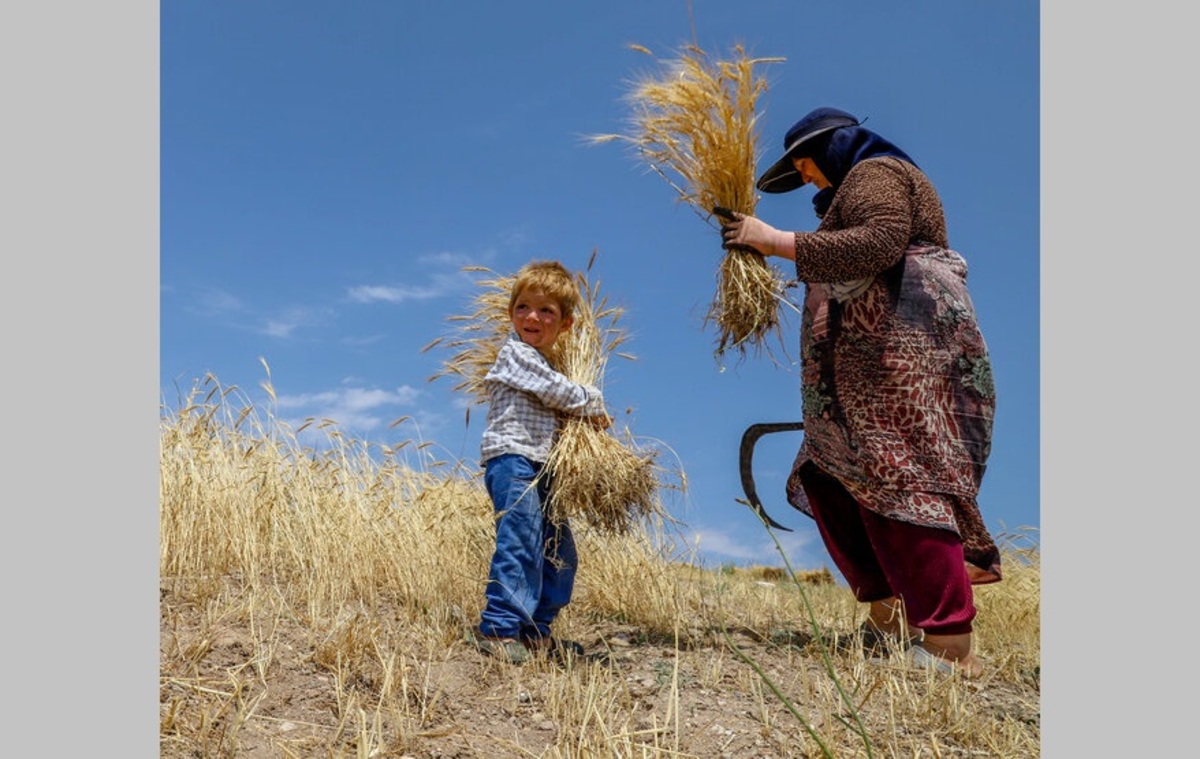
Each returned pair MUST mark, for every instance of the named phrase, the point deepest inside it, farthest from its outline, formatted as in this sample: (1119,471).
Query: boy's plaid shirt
(525,395)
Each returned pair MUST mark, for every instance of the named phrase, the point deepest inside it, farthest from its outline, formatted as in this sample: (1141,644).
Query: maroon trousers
(881,558)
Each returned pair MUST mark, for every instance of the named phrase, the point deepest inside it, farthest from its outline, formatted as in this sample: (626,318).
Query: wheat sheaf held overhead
(693,122)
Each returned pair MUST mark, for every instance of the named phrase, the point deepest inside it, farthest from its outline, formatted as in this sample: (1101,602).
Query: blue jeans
(533,568)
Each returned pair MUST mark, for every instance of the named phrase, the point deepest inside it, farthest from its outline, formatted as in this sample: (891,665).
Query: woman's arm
(866,229)
(864,232)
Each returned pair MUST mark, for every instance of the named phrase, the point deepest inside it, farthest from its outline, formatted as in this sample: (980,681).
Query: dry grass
(314,598)
(694,123)
(600,477)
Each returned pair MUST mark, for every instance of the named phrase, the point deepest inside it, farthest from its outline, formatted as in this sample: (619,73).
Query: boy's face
(538,319)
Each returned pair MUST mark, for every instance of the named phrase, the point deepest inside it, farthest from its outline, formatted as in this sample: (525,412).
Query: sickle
(745,465)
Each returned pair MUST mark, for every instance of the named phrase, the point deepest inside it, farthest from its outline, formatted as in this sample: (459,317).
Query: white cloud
(448,260)
(716,542)
(363,342)
(216,303)
(514,238)
(391,293)
(354,408)
(446,277)
(800,548)
(287,322)
(464,403)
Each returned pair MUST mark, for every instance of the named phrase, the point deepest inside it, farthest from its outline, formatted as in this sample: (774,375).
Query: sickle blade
(746,469)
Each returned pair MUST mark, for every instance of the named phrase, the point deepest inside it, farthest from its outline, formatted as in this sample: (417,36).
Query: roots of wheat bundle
(608,484)
(746,306)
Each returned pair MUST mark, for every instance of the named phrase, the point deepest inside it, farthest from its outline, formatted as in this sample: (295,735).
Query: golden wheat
(315,590)
(478,335)
(694,123)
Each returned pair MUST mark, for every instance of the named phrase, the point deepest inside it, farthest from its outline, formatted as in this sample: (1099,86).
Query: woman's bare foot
(970,667)
(956,651)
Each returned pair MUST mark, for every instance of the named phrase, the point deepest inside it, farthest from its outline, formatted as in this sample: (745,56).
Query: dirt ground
(219,698)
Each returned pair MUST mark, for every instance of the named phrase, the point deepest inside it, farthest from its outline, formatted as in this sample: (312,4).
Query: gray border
(80,157)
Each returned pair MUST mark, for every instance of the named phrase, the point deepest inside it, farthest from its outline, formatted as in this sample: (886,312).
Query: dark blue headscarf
(840,150)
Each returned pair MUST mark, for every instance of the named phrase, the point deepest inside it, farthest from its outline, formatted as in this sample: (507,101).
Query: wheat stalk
(694,123)
(476,341)
(339,583)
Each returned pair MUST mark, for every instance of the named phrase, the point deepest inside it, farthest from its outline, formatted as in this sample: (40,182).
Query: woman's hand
(742,232)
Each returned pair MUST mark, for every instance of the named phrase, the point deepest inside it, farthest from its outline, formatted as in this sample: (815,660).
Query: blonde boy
(532,573)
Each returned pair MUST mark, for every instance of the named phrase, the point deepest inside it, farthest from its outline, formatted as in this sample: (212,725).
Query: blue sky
(326,174)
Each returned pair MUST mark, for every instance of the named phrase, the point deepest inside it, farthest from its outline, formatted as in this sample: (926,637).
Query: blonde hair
(551,278)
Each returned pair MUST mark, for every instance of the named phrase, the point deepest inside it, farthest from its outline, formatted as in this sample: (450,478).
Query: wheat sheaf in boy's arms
(600,476)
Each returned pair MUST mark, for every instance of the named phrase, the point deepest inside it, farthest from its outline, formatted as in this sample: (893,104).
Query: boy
(533,567)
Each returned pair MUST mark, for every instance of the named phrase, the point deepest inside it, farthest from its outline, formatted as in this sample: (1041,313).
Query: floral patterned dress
(896,380)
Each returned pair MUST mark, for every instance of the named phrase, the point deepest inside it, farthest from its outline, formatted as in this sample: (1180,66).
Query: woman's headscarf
(839,151)
(835,150)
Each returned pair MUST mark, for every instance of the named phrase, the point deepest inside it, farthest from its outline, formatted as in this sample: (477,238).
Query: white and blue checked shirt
(525,392)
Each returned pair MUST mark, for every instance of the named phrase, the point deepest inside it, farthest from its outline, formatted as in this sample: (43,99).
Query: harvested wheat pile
(599,477)
(694,123)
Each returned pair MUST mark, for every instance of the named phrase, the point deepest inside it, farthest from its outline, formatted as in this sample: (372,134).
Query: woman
(896,385)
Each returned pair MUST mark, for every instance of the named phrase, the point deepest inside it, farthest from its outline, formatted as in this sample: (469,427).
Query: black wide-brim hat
(782,176)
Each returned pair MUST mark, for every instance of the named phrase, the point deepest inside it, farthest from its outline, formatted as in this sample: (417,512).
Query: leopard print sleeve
(866,228)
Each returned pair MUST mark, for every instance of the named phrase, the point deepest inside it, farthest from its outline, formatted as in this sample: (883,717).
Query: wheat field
(315,590)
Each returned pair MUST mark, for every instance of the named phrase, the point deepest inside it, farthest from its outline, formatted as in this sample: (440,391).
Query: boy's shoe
(556,649)
(507,649)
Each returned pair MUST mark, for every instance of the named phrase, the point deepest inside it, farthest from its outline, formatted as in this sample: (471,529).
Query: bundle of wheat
(598,477)
(607,482)
(479,336)
(694,124)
